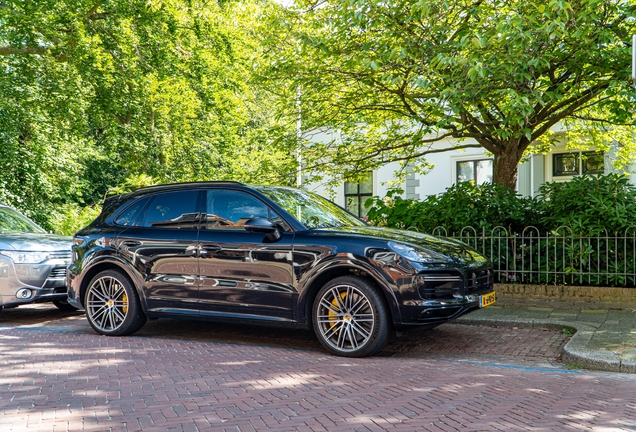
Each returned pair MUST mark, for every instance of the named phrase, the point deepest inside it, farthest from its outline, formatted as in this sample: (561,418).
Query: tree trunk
(506,167)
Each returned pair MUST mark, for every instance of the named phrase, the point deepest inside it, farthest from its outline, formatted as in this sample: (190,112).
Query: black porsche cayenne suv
(227,251)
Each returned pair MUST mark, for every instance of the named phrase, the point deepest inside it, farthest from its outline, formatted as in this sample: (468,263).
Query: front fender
(338,265)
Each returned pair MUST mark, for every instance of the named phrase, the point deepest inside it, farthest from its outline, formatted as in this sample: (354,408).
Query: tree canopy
(400,79)
(98,93)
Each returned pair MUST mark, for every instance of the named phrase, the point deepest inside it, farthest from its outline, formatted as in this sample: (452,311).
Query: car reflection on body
(32,262)
(227,251)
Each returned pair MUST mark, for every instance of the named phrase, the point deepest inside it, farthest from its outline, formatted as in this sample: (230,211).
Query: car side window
(130,215)
(228,209)
(174,210)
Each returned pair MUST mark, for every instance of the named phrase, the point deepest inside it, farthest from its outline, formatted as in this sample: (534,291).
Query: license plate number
(487,299)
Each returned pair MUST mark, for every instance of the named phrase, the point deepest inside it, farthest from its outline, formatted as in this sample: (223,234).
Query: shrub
(463,204)
(589,205)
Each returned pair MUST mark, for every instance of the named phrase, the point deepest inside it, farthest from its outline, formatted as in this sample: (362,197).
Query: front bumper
(45,282)
(433,298)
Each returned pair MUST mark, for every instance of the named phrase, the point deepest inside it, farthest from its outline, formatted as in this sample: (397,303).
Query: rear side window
(130,216)
(174,210)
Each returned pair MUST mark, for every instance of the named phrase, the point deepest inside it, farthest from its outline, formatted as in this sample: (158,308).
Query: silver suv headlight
(21,257)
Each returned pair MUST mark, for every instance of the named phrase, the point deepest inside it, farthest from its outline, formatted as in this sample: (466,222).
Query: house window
(477,171)
(357,193)
(578,163)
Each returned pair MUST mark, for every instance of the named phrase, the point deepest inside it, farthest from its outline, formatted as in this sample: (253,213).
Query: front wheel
(112,305)
(350,317)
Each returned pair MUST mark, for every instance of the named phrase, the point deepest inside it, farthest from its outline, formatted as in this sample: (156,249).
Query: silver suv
(32,262)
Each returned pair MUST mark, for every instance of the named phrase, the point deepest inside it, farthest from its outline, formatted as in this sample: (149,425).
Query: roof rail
(187,184)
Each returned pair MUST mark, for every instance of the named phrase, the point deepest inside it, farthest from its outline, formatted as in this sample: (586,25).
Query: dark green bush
(463,204)
(589,205)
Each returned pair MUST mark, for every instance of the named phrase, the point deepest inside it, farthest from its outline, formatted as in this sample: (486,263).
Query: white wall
(532,174)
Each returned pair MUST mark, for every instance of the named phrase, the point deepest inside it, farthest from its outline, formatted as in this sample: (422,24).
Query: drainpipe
(532,176)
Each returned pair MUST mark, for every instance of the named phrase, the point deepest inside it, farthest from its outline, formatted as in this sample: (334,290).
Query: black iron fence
(557,257)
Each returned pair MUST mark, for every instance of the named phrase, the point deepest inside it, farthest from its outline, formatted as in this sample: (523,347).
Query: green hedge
(587,204)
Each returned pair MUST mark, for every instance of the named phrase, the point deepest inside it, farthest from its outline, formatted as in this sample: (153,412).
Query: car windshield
(12,222)
(310,209)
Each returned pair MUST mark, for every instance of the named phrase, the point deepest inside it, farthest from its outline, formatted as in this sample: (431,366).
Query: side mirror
(262,225)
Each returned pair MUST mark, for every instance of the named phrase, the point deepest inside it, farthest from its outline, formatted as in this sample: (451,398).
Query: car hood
(453,250)
(35,242)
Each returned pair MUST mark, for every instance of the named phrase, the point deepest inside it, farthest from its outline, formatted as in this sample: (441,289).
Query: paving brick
(80,381)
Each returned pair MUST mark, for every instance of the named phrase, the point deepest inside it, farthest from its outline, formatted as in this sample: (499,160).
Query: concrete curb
(575,352)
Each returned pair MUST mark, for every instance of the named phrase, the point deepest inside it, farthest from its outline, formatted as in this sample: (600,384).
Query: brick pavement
(448,341)
(61,380)
(56,374)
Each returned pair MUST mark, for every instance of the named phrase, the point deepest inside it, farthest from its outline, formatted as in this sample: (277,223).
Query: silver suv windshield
(310,209)
(12,222)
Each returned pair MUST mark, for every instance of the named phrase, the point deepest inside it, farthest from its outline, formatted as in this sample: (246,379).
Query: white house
(451,167)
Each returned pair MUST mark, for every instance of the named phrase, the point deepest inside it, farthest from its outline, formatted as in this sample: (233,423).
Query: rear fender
(111,262)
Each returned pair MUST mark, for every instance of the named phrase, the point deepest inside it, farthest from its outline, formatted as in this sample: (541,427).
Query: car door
(163,248)
(243,274)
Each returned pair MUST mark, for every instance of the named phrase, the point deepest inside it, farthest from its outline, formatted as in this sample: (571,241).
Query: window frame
(358,195)
(474,162)
(581,163)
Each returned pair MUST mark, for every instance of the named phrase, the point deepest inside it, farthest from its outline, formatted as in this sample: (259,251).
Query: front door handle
(208,249)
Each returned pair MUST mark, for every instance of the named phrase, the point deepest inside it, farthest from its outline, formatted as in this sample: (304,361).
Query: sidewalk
(603,339)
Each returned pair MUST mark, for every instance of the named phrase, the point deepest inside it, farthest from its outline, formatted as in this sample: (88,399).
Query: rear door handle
(130,243)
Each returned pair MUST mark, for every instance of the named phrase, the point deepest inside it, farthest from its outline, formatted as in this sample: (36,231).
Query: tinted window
(131,214)
(228,209)
(173,210)
(310,209)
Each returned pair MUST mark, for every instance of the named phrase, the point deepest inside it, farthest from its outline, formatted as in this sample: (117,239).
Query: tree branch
(10,50)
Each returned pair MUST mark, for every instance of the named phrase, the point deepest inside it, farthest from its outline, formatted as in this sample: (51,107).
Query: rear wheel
(350,317)
(64,305)
(112,305)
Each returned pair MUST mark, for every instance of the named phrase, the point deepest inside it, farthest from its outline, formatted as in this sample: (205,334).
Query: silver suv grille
(58,272)
(65,255)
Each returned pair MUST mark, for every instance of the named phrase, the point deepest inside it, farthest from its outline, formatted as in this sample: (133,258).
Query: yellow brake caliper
(124,300)
(332,314)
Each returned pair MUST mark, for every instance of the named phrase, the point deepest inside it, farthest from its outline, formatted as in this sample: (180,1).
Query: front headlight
(416,255)
(20,257)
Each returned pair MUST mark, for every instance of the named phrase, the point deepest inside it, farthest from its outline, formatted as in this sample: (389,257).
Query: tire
(112,306)
(64,305)
(350,317)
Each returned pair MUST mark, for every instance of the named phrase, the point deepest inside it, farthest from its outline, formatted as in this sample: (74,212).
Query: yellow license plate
(487,299)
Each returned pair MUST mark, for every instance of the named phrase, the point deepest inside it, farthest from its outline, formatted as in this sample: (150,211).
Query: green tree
(96,93)
(402,79)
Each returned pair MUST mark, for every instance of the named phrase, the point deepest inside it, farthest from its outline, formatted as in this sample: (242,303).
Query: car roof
(188,185)
(167,187)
